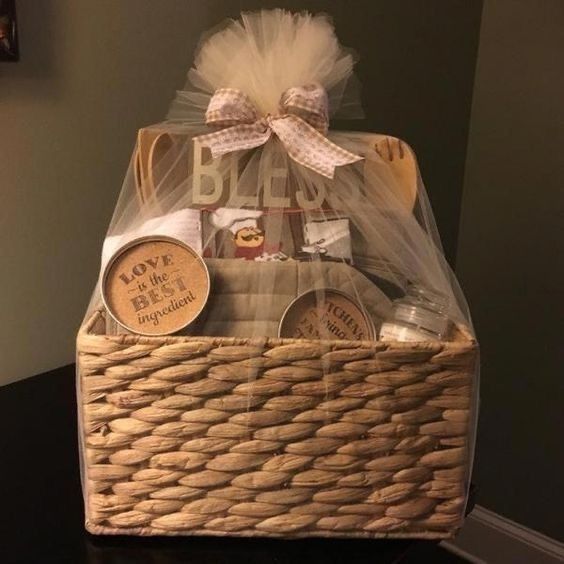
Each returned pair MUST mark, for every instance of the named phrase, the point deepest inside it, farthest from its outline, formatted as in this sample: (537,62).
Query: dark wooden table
(41,512)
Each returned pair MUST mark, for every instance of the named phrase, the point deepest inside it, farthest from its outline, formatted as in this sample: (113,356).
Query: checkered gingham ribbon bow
(301,126)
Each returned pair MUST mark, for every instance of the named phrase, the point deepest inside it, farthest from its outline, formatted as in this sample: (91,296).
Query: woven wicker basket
(273,437)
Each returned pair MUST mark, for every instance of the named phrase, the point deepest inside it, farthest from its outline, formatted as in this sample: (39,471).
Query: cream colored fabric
(239,307)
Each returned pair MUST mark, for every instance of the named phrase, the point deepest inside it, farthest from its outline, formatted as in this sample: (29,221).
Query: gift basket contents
(276,345)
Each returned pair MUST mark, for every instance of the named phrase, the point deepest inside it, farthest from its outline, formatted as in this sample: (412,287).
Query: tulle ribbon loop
(301,126)
(309,102)
(228,107)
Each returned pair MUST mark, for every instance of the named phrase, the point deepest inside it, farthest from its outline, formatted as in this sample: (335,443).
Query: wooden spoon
(403,165)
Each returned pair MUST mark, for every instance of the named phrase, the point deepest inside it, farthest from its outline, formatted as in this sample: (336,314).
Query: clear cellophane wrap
(269,227)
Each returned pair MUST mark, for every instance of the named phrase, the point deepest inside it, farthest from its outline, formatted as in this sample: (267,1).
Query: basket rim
(464,339)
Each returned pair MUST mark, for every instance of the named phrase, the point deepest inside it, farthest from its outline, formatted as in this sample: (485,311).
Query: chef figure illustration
(247,235)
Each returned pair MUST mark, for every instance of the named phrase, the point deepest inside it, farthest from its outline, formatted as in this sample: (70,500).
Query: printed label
(392,332)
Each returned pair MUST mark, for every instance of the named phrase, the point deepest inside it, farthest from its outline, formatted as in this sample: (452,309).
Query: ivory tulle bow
(301,126)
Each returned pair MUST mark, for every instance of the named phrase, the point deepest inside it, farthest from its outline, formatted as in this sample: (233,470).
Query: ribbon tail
(235,138)
(309,147)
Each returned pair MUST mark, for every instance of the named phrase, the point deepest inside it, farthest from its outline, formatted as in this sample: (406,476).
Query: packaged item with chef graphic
(247,233)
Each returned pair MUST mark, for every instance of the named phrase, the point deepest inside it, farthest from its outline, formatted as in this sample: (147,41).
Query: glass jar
(420,315)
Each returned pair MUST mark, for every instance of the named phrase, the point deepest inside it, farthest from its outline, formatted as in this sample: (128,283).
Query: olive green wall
(93,72)
(509,258)
(68,115)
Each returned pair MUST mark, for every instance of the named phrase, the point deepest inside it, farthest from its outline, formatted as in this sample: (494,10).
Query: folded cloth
(184,225)
(248,298)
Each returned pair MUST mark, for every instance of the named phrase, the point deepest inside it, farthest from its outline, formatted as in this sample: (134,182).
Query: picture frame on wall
(9,49)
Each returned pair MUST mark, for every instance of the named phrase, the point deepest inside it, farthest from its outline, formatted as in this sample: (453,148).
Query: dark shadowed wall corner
(510,258)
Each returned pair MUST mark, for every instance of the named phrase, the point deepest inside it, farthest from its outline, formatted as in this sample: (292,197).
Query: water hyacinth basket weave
(274,437)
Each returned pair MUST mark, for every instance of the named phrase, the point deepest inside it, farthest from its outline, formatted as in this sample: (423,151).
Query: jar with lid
(420,315)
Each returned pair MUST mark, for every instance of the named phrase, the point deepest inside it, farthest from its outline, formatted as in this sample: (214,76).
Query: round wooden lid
(326,314)
(155,285)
